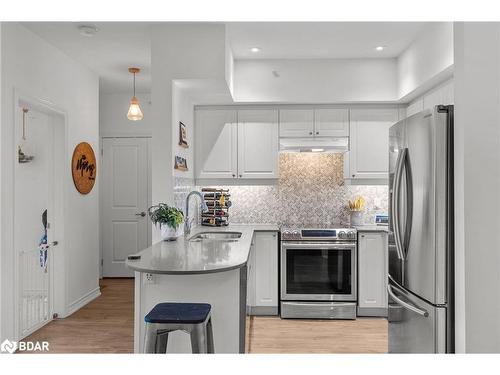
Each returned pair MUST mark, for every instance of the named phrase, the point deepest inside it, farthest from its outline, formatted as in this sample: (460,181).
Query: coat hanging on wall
(84,167)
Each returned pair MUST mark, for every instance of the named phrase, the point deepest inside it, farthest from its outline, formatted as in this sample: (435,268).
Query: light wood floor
(106,326)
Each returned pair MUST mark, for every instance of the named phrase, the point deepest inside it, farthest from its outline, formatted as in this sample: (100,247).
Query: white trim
(43,106)
(82,301)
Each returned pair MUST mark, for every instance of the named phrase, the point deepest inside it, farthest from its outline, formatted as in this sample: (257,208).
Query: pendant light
(134,111)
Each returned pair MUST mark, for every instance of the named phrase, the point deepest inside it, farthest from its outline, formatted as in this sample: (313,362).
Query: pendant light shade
(134,111)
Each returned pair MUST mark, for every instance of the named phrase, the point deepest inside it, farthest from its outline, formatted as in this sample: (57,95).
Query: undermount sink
(219,236)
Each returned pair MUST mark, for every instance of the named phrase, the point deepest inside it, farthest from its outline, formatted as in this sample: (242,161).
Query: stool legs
(199,338)
(210,337)
(150,340)
(201,335)
(161,343)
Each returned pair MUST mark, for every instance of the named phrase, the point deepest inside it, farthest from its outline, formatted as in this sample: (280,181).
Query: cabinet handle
(310,133)
(317,133)
(353,175)
(234,175)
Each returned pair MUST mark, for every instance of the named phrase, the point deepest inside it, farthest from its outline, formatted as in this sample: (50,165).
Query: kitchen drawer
(318,310)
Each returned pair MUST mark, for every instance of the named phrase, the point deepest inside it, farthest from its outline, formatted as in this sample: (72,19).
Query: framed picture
(183,135)
(180,163)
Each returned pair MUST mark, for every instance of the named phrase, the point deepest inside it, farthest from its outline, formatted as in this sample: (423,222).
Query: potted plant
(169,219)
(356,207)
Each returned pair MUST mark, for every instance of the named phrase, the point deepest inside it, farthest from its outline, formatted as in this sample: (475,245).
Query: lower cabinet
(262,292)
(372,273)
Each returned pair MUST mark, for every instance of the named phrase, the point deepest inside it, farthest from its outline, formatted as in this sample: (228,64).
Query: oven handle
(318,245)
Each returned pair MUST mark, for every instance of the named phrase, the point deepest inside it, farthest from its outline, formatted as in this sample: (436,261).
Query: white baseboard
(82,301)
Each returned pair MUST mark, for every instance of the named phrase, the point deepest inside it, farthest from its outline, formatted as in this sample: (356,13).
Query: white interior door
(125,225)
(33,182)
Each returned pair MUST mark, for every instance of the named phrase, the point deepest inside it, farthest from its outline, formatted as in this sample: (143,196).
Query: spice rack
(218,203)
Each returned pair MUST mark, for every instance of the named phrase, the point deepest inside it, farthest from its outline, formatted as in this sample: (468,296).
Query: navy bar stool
(193,318)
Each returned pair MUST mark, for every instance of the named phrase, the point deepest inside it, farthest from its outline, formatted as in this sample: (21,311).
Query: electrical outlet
(149,278)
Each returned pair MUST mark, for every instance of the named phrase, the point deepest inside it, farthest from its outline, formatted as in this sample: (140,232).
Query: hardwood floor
(275,335)
(106,326)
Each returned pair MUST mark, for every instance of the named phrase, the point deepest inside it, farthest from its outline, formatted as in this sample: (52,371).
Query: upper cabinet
(320,122)
(258,143)
(331,122)
(216,142)
(296,123)
(227,141)
(369,144)
(244,143)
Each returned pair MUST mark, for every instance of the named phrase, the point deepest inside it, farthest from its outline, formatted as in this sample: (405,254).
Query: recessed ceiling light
(380,48)
(255,49)
(88,30)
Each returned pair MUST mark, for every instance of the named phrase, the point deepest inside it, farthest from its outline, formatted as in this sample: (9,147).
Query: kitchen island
(205,270)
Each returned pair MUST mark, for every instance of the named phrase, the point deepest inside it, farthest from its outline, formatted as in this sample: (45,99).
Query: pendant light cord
(134,84)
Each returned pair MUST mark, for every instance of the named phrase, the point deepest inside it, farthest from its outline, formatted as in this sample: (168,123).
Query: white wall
(113,115)
(1,189)
(183,111)
(477,179)
(315,81)
(428,56)
(178,51)
(36,68)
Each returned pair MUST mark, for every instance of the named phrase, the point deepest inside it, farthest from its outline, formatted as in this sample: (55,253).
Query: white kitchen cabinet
(251,277)
(372,273)
(258,143)
(296,122)
(331,122)
(263,274)
(369,142)
(216,143)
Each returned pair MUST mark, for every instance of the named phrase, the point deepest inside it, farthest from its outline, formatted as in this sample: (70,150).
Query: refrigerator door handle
(396,189)
(409,204)
(406,305)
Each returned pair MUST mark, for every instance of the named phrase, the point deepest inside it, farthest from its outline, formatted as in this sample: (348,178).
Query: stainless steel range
(318,273)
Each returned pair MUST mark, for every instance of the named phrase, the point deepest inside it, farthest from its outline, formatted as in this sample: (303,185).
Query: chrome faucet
(188,221)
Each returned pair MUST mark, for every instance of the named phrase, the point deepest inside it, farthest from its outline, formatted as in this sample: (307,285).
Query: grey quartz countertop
(372,228)
(198,257)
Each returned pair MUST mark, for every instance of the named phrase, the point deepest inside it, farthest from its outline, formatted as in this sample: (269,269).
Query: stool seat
(181,313)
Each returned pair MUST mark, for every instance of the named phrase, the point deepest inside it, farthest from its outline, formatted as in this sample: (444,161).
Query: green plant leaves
(162,213)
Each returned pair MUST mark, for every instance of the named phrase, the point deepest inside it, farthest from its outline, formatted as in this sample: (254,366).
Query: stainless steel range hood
(327,144)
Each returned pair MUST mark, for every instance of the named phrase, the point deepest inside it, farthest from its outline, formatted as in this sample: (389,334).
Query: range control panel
(297,234)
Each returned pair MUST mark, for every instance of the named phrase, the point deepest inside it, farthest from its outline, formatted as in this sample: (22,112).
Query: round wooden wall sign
(84,167)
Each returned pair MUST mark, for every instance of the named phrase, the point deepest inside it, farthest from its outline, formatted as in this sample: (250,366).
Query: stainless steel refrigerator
(420,287)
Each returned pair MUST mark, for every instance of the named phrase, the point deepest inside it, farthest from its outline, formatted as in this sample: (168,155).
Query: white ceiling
(119,45)
(109,53)
(320,40)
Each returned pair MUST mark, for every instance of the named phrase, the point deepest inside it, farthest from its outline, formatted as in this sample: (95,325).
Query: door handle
(396,186)
(410,307)
(54,243)
(142,214)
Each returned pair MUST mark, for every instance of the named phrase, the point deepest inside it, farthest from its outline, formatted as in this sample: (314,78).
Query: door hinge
(102,151)
(102,262)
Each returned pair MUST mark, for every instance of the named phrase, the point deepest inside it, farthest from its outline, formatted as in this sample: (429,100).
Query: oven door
(318,271)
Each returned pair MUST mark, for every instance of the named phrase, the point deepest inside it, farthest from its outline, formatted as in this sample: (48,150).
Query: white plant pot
(356,218)
(169,234)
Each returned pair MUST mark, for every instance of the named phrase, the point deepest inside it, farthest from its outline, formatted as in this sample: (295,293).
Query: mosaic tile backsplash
(310,190)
